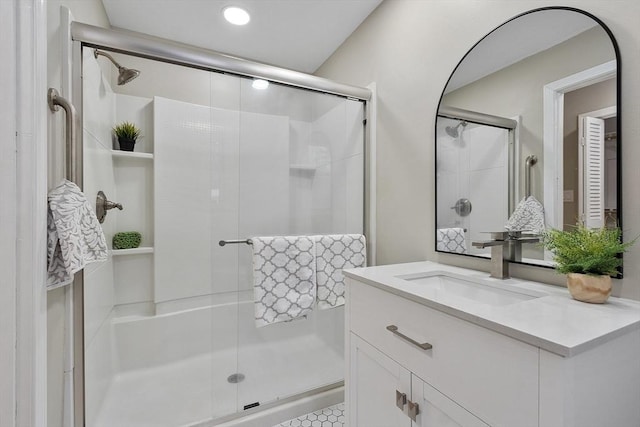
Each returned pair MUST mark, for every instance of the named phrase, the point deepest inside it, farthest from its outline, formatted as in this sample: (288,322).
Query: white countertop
(553,321)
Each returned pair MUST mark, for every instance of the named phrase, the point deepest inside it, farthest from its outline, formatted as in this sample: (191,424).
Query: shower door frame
(155,48)
(513,150)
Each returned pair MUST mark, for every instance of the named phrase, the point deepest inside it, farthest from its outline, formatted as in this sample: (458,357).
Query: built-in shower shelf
(302,167)
(131,155)
(134,251)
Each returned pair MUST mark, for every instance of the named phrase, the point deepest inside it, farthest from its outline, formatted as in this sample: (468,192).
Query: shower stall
(481,177)
(475,152)
(168,336)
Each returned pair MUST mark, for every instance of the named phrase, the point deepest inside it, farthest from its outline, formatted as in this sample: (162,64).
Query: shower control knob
(103,205)
(111,205)
(462,207)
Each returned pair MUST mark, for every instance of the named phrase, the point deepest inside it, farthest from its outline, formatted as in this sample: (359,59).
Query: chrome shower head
(125,75)
(452,131)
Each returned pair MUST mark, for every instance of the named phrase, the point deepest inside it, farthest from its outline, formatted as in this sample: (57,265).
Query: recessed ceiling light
(236,15)
(260,84)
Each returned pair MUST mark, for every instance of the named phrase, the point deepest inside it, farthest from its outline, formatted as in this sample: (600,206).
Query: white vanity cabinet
(455,372)
(377,381)
(384,394)
(487,374)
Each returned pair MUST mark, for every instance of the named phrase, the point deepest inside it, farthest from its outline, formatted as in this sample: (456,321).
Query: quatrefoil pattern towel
(451,240)
(527,216)
(74,235)
(284,278)
(333,254)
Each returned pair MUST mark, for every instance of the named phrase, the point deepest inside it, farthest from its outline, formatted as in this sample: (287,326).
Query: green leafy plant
(587,251)
(126,240)
(127,130)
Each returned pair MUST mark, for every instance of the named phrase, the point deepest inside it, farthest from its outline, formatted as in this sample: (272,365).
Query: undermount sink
(447,285)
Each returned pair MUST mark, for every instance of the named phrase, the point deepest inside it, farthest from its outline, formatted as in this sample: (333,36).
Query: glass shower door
(471,158)
(170,333)
(300,173)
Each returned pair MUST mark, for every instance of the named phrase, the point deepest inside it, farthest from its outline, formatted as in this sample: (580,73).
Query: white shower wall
(279,162)
(99,293)
(119,281)
(467,166)
(273,176)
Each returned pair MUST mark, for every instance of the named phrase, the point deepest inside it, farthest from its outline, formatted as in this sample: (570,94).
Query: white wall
(517,91)
(90,12)
(409,48)
(8,215)
(98,117)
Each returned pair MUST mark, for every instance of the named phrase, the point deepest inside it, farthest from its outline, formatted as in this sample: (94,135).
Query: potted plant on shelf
(127,134)
(589,257)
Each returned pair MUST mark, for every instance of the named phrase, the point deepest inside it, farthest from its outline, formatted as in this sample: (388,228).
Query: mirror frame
(616,49)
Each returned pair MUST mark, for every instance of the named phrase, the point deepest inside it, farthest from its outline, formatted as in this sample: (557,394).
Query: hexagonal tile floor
(333,416)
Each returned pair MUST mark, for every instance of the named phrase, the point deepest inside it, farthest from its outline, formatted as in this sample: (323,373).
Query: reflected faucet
(506,247)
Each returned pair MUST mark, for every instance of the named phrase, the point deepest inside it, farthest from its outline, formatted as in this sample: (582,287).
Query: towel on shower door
(284,278)
(527,216)
(74,235)
(333,254)
(451,240)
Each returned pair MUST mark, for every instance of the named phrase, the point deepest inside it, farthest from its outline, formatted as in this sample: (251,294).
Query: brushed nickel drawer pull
(424,346)
(414,410)
(401,400)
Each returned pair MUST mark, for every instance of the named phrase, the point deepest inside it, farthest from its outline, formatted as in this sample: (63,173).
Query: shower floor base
(196,389)
(333,416)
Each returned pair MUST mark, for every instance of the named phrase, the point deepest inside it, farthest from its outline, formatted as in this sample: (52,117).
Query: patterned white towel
(451,240)
(333,254)
(74,235)
(528,216)
(284,278)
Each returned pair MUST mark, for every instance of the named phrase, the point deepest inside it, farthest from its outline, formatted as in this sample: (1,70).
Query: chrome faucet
(506,246)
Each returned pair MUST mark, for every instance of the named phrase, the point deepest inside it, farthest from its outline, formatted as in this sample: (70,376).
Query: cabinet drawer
(493,376)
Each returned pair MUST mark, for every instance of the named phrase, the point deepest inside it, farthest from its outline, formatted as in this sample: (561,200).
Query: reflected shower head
(125,75)
(452,131)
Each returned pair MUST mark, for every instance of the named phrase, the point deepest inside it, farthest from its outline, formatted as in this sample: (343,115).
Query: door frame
(603,113)
(553,133)
(23,224)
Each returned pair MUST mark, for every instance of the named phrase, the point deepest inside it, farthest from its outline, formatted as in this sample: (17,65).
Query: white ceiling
(294,34)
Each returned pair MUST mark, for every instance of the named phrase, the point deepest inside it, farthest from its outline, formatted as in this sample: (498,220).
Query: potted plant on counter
(127,134)
(589,257)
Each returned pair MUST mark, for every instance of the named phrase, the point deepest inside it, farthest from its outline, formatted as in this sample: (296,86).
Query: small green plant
(587,251)
(126,240)
(127,130)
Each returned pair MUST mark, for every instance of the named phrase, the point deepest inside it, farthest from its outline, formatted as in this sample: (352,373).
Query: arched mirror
(527,133)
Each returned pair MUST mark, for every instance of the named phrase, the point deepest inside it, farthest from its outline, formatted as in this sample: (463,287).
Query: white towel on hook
(284,278)
(333,254)
(451,240)
(527,216)
(74,235)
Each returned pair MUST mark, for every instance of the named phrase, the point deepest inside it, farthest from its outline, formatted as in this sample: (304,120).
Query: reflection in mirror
(526,132)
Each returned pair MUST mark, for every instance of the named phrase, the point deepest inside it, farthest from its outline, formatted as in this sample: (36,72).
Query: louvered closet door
(593,172)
